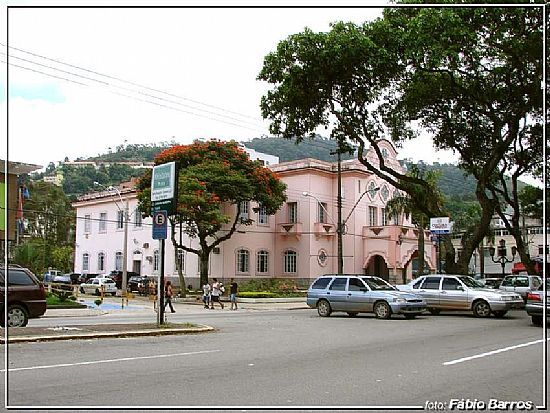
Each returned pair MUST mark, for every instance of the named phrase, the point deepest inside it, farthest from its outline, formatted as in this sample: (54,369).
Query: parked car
(86,277)
(117,276)
(62,278)
(138,283)
(26,296)
(444,292)
(355,294)
(97,285)
(521,284)
(50,275)
(533,306)
(491,282)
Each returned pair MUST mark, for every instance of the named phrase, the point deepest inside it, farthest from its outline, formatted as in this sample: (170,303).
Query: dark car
(138,283)
(534,304)
(26,297)
(117,277)
(86,277)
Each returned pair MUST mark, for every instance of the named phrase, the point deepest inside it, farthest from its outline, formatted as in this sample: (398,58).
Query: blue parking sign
(160,225)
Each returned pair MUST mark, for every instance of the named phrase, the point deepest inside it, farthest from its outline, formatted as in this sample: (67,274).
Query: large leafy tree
(213,177)
(468,75)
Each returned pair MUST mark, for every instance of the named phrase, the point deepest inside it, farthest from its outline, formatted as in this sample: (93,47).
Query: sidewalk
(135,305)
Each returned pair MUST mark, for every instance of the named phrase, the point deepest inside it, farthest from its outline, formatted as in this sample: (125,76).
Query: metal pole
(439,253)
(125,255)
(339,229)
(161,283)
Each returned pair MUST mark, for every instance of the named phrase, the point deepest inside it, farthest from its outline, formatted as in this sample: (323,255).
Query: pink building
(299,242)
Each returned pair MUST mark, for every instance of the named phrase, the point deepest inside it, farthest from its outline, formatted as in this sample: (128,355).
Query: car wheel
(536,320)
(434,311)
(352,314)
(323,308)
(482,309)
(410,316)
(97,292)
(382,310)
(113,294)
(82,290)
(499,314)
(17,316)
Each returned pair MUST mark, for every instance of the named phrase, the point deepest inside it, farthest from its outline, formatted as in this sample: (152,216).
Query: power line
(129,82)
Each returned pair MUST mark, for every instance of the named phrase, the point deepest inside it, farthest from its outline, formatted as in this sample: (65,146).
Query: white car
(98,285)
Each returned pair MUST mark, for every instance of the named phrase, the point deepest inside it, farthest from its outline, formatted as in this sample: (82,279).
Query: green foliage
(34,255)
(98,302)
(279,286)
(62,258)
(257,294)
(531,201)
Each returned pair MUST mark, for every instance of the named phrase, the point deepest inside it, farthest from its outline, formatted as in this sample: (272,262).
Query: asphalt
(137,305)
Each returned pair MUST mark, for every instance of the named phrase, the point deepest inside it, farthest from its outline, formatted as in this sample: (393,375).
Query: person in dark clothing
(233,288)
(168,293)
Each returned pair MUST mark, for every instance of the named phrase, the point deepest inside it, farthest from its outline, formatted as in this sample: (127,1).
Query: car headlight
(399,300)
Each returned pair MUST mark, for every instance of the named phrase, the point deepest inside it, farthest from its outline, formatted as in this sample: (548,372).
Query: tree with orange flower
(213,178)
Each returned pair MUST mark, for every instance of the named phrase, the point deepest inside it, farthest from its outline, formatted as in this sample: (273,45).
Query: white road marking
(490,353)
(85,363)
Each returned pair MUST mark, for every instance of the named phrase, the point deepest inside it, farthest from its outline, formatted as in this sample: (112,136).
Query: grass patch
(178,325)
(54,300)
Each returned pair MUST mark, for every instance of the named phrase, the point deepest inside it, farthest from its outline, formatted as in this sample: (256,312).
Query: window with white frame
(120,219)
(262,262)
(243,260)
(179,257)
(243,211)
(262,215)
(322,212)
(290,261)
(85,262)
(292,211)
(156,260)
(137,218)
(118,261)
(87,224)
(101,262)
(103,222)
(373,215)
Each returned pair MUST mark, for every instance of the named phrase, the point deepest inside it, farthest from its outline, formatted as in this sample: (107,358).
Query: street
(291,358)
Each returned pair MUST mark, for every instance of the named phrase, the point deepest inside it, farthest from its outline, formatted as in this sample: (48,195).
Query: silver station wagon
(460,292)
(355,294)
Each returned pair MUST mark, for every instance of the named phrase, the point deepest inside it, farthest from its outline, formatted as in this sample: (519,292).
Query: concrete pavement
(112,305)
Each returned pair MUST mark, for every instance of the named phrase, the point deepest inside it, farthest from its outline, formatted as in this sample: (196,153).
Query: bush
(257,294)
(279,286)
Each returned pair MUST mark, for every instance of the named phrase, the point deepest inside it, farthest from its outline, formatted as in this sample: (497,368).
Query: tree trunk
(421,249)
(203,259)
(183,288)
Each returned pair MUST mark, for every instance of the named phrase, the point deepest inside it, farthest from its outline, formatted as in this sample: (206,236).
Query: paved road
(288,358)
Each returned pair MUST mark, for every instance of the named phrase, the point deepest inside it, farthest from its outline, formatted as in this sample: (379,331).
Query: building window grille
(103,222)
(243,211)
(137,219)
(322,212)
(101,262)
(262,262)
(118,261)
(85,262)
(292,208)
(120,220)
(290,262)
(373,215)
(156,260)
(262,215)
(87,224)
(243,259)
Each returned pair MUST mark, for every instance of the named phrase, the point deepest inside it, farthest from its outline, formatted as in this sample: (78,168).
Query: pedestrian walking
(206,294)
(215,294)
(168,293)
(233,288)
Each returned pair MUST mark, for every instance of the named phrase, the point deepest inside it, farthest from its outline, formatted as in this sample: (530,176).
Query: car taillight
(533,297)
(42,289)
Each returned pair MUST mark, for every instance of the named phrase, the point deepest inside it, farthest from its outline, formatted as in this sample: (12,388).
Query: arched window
(85,262)
(118,261)
(179,257)
(156,260)
(262,262)
(101,262)
(289,264)
(243,260)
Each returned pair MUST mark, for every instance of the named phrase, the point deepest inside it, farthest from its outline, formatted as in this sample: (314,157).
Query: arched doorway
(377,266)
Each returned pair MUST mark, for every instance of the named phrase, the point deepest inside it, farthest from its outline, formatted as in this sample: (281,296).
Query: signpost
(440,226)
(163,204)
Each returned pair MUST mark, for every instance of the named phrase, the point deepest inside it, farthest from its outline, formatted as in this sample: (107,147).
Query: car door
(337,294)
(430,291)
(358,296)
(453,295)
(507,283)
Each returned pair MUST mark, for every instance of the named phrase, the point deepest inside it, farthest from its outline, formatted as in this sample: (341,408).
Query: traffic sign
(440,225)
(160,225)
(164,188)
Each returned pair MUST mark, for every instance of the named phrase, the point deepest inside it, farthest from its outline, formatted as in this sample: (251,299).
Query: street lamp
(502,259)
(340,225)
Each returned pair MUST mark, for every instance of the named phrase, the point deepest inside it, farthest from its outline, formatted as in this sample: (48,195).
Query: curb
(112,334)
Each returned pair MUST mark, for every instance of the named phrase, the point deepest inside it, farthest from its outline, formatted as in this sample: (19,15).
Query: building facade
(299,242)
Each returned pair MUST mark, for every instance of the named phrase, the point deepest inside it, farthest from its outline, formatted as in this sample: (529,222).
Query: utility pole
(339,229)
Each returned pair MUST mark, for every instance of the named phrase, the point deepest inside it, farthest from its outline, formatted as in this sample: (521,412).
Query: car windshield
(378,284)
(470,282)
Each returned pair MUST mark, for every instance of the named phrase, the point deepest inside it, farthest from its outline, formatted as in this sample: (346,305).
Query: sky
(144,75)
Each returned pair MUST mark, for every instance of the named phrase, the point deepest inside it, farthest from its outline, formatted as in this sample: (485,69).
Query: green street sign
(164,188)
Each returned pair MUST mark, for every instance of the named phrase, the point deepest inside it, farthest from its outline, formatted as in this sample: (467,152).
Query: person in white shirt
(215,295)
(206,295)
